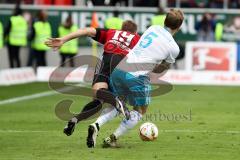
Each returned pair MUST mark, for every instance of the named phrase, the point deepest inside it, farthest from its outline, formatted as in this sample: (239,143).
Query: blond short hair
(174,19)
(129,26)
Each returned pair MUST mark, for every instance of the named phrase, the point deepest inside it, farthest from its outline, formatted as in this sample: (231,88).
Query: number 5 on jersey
(148,39)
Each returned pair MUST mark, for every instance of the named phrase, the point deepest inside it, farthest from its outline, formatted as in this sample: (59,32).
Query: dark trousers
(64,57)
(14,59)
(41,57)
(31,57)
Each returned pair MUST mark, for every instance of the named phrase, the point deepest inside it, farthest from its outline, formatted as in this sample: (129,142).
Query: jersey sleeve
(172,56)
(101,35)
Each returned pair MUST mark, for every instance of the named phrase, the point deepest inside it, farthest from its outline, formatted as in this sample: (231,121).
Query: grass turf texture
(30,130)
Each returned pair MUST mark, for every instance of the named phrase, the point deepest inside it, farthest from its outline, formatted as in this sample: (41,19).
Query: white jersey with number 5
(154,46)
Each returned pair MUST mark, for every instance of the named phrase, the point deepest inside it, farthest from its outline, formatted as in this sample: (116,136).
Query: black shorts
(105,67)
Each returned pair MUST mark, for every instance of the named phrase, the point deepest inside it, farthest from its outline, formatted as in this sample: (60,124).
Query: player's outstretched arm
(56,43)
(91,32)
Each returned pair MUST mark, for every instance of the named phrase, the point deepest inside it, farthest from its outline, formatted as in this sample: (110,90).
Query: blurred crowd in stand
(138,3)
(29,30)
(25,30)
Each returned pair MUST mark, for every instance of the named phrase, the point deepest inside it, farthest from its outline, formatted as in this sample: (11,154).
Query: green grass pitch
(29,129)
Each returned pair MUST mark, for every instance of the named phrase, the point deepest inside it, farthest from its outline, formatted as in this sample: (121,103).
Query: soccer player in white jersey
(154,52)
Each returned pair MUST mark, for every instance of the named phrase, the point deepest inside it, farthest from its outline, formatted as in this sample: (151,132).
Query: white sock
(126,125)
(107,114)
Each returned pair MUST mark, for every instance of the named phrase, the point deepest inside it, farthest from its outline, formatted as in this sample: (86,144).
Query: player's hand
(54,43)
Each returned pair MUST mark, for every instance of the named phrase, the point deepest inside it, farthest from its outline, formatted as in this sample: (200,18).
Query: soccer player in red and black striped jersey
(117,44)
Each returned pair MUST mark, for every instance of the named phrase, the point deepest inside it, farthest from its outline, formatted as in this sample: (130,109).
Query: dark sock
(89,110)
(94,103)
(106,96)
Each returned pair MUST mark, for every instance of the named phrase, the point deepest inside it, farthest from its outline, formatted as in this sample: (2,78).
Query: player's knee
(142,110)
(99,85)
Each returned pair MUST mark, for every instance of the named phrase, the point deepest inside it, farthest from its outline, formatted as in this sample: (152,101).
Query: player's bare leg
(89,109)
(109,97)
(107,115)
(98,86)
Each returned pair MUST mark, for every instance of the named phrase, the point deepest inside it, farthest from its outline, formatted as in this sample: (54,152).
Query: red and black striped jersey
(116,41)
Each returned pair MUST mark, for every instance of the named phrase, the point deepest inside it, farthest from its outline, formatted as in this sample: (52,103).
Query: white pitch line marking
(28,97)
(23,131)
(37,95)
